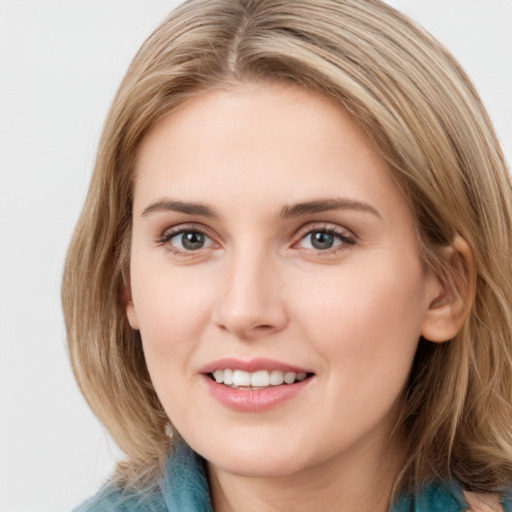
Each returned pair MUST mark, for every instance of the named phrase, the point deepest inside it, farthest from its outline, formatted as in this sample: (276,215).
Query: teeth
(259,379)
(228,377)
(276,378)
(241,378)
(289,377)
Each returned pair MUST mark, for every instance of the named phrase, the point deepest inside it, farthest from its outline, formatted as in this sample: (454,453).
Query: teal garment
(439,497)
(184,488)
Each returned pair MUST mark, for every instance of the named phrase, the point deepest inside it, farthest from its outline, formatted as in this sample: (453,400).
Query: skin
(352,314)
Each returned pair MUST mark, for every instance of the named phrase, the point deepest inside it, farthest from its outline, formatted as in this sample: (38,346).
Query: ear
(452,293)
(131,314)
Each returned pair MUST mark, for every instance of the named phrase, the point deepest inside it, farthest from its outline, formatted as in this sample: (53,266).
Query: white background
(60,64)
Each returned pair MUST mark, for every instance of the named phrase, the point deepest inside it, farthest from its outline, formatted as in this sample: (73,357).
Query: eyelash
(165,238)
(345,240)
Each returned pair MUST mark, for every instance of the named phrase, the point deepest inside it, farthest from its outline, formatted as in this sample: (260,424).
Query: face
(275,280)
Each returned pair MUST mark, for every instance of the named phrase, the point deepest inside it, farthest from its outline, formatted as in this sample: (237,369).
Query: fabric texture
(184,488)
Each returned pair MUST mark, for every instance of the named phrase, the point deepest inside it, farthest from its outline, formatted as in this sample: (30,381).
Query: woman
(289,287)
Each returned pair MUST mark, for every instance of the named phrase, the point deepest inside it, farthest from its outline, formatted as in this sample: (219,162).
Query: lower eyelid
(340,246)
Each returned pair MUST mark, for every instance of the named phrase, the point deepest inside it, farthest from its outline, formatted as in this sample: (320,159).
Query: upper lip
(252,365)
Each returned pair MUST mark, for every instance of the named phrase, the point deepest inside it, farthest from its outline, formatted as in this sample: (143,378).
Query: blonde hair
(421,112)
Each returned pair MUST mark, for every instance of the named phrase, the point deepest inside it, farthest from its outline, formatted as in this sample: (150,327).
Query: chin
(258,466)
(249,458)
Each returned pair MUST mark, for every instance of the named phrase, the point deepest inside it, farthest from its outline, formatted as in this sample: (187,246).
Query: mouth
(255,385)
(258,380)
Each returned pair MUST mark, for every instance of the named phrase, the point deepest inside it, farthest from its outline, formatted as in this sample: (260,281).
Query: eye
(320,240)
(326,240)
(181,241)
(190,240)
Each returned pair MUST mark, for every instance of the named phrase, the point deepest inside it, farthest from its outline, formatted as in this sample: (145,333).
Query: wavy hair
(420,111)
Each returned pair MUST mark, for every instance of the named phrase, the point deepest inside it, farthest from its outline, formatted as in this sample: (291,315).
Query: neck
(360,481)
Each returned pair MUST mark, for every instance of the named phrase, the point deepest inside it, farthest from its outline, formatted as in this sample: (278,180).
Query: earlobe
(129,308)
(452,294)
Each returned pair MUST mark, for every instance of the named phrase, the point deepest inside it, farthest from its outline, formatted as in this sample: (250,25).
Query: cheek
(369,321)
(171,316)
(171,310)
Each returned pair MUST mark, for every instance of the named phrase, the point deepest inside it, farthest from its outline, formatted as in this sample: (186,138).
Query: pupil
(322,240)
(192,240)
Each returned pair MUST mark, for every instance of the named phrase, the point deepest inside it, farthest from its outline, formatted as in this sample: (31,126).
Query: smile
(255,385)
(240,379)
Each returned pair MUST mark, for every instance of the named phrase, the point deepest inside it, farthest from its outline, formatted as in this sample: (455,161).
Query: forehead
(269,142)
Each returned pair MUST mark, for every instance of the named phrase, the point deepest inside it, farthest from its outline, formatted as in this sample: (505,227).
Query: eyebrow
(323,205)
(163,205)
(289,211)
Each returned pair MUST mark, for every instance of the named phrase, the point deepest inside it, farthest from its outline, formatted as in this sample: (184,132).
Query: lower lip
(254,400)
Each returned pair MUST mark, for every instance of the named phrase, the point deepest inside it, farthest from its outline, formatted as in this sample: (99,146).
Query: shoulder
(111,499)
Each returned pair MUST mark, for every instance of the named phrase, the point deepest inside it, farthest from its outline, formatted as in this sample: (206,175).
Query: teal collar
(439,497)
(184,488)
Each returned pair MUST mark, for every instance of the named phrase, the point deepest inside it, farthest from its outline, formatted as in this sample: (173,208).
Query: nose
(250,301)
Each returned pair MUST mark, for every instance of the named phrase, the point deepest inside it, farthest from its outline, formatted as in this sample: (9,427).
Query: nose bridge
(250,300)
